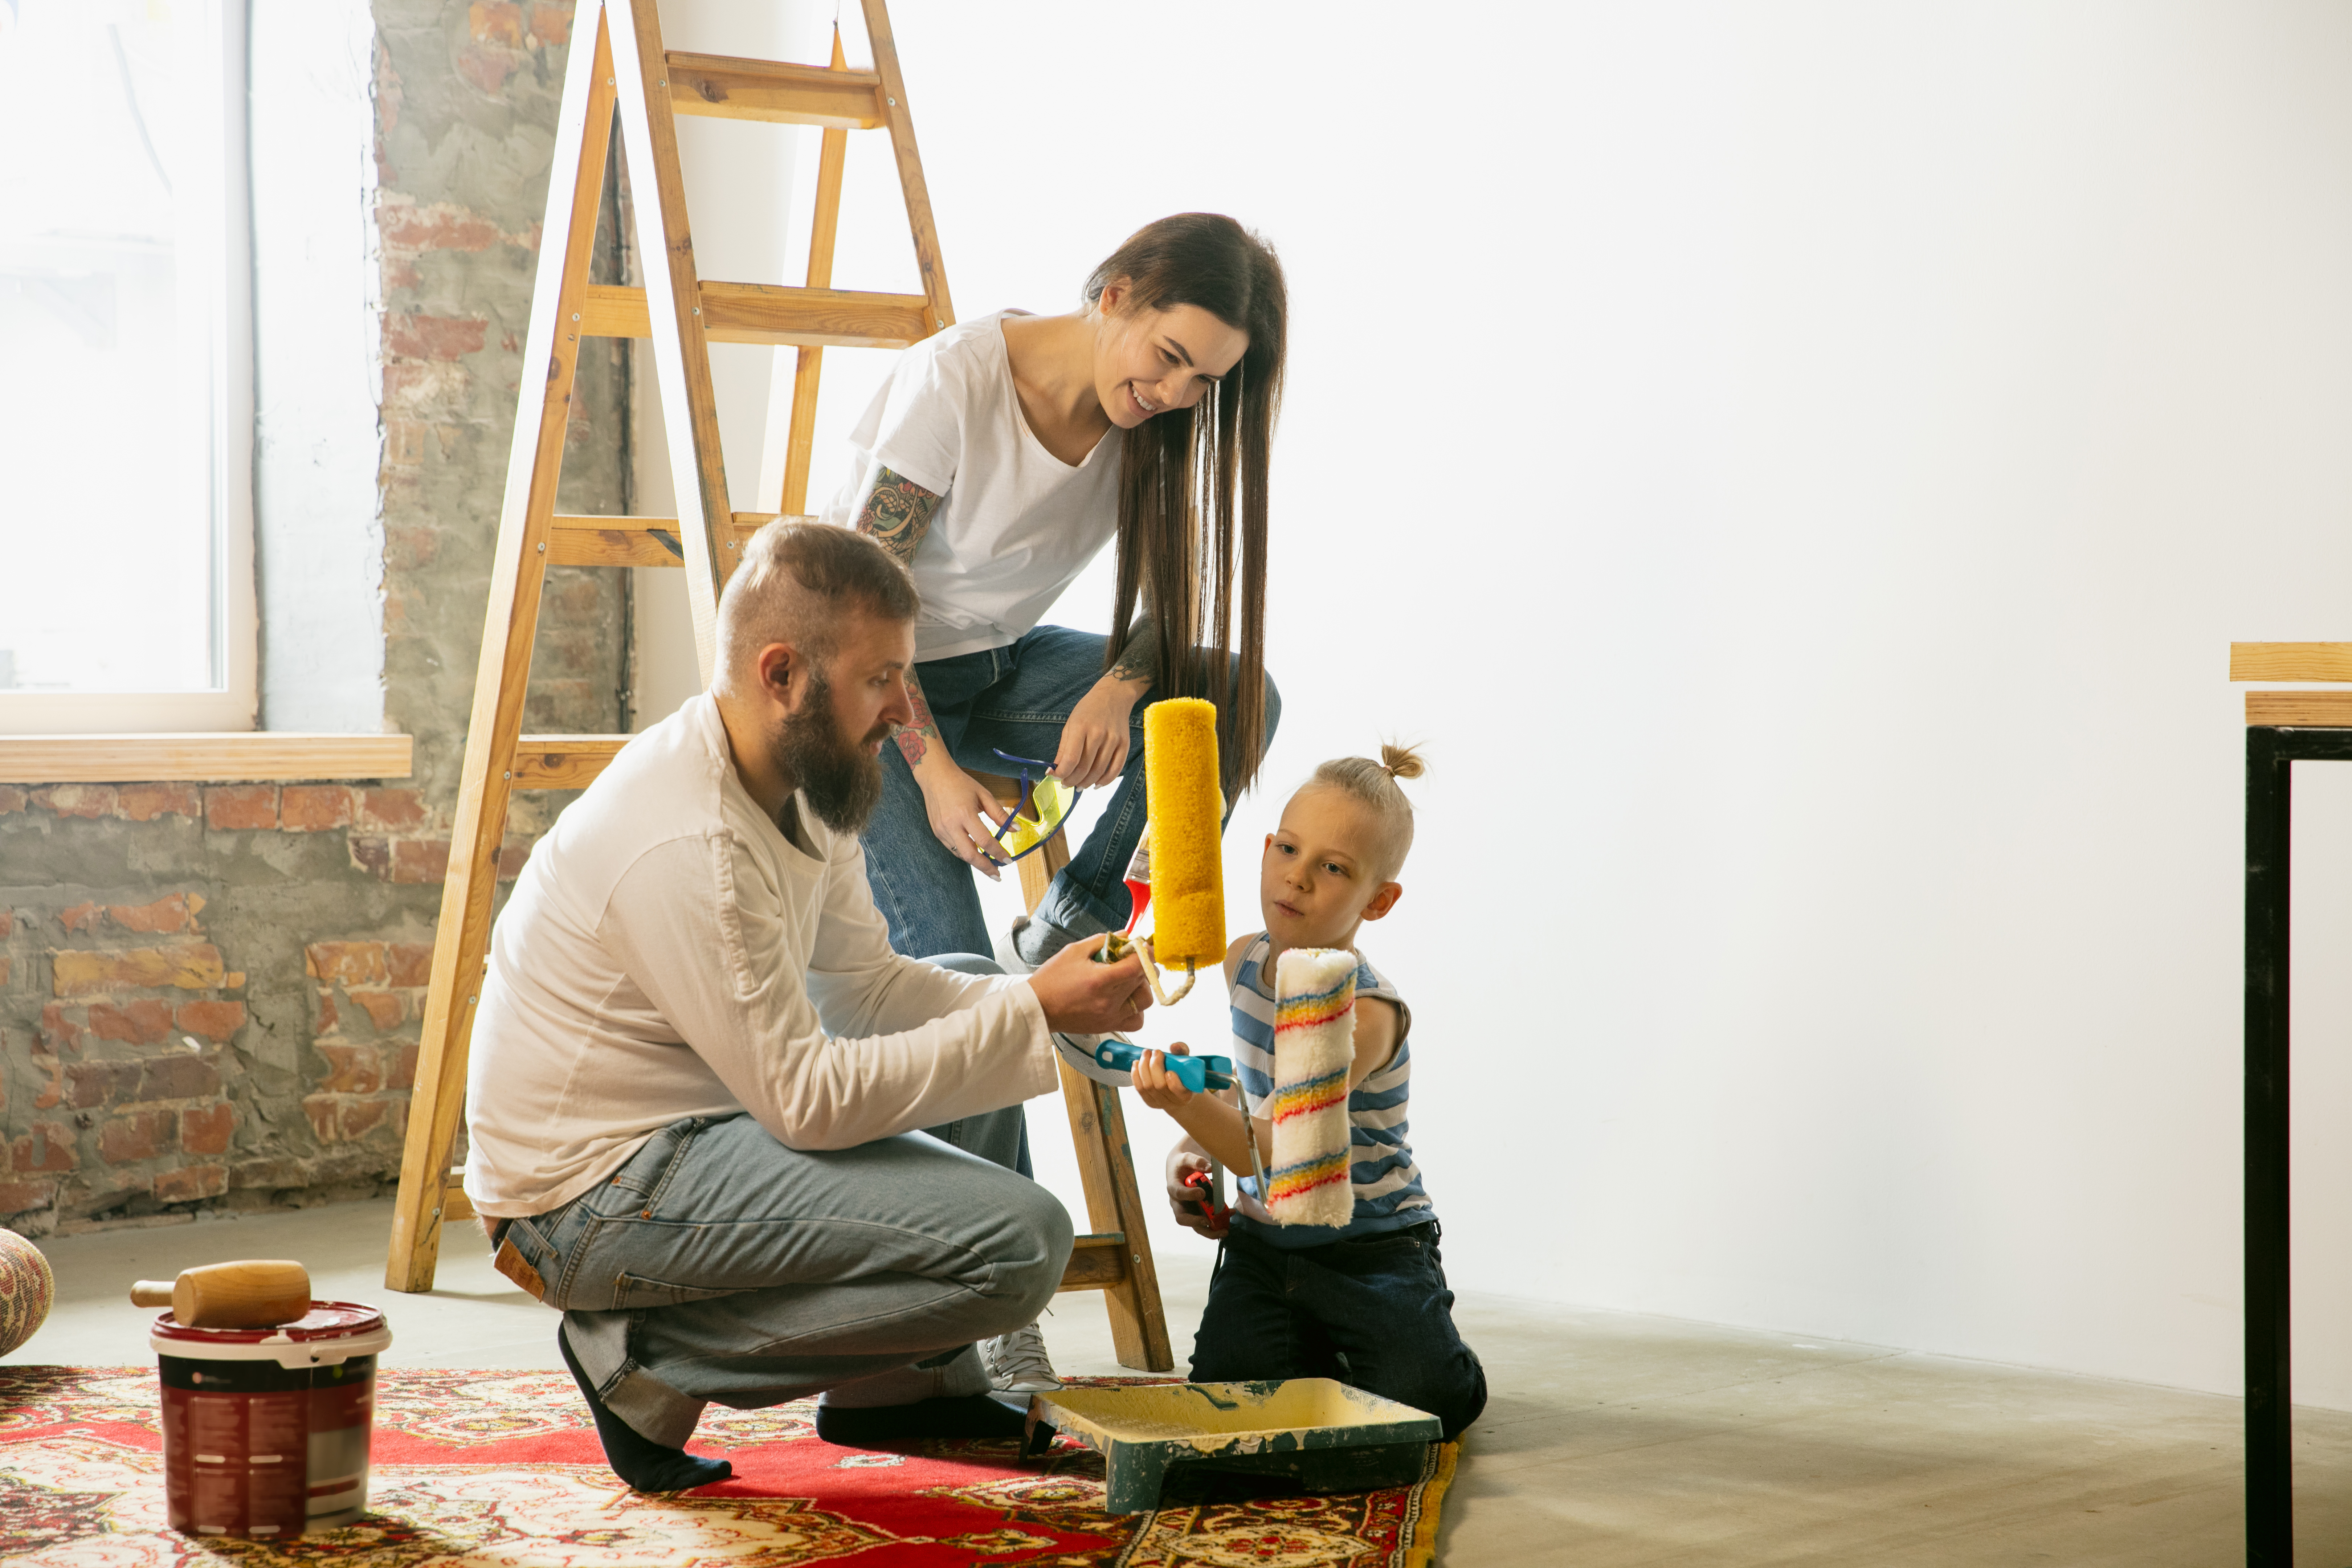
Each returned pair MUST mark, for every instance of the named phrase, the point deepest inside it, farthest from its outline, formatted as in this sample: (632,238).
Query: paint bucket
(265,1430)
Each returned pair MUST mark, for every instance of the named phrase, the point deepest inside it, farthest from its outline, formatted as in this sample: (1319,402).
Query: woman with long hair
(996,462)
(1000,457)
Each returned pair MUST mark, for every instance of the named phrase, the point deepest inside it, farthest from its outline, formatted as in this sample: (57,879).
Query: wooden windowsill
(200,758)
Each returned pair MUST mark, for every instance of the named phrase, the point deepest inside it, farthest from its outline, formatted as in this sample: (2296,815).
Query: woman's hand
(1156,1085)
(1187,1201)
(1094,736)
(963,813)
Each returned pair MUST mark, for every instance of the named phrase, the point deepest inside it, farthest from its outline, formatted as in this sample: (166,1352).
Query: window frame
(233,705)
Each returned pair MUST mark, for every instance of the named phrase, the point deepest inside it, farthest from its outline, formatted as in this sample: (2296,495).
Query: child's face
(1323,871)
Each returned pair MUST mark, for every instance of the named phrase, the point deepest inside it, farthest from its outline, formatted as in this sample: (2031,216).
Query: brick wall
(209,994)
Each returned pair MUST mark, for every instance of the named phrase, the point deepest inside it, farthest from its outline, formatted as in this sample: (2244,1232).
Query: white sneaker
(1017,1363)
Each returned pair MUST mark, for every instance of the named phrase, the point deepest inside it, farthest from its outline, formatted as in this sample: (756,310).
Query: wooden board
(563,762)
(262,755)
(1096,1261)
(674,296)
(798,432)
(1138,1329)
(2300,709)
(911,185)
(2291,661)
(636,541)
(770,313)
(771,91)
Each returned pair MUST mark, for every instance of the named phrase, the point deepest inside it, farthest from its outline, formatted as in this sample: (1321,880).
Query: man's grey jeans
(717,1265)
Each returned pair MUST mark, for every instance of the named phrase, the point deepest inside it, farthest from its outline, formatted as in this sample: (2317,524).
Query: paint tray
(1319,1433)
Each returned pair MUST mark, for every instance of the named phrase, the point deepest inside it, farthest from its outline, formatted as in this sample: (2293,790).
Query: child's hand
(1186,1200)
(1156,1085)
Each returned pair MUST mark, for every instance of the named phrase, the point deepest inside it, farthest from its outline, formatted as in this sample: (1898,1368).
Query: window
(126,537)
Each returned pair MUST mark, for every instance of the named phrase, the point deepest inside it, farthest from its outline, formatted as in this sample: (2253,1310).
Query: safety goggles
(1044,806)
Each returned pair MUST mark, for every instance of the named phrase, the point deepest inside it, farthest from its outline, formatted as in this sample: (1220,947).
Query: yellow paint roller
(1185,806)
(1182,801)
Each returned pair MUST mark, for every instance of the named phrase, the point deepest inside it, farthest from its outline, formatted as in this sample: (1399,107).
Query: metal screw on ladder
(508,775)
(575,315)
(891,101)
(542,547)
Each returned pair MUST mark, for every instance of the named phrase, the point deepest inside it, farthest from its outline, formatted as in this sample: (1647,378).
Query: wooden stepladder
(619,65)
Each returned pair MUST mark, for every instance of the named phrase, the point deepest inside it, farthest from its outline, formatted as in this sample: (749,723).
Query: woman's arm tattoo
(916,740)
(1140,659)
(898,513)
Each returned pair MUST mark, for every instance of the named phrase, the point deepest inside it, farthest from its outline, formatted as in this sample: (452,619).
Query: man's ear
(1383,901)
(776,664)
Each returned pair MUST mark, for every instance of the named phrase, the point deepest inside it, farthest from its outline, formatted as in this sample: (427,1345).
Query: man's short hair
(797,582)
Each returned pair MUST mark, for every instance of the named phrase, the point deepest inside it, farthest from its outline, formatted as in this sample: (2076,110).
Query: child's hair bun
(1402,762)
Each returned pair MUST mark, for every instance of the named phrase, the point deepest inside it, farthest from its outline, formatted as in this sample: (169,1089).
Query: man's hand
(1182,1162)
(1083,998)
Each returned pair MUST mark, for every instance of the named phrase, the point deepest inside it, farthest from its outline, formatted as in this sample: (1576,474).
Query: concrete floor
(1611,1440)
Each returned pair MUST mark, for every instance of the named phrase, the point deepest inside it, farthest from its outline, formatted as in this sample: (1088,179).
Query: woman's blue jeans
(1014,698)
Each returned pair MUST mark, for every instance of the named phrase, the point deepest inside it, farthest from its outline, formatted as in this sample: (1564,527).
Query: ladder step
(563,762)
(633,540)
(1096,1262)
(769,313)
(775,91)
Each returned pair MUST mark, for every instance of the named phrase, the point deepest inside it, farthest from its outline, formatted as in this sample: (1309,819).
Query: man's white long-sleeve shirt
(667,953)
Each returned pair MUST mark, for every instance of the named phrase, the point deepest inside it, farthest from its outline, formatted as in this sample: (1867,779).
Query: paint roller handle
(251,1293)
(1081,997)
(1195,1073)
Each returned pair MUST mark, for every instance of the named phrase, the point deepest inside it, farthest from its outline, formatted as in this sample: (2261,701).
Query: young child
(1365,1302)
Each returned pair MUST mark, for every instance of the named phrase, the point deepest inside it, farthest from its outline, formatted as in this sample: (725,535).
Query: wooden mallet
(254,1293)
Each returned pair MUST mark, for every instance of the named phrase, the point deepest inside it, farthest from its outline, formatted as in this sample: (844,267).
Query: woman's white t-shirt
(1016,524)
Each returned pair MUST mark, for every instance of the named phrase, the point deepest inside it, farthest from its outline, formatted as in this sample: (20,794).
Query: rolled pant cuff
(1072,908)
(653,1409)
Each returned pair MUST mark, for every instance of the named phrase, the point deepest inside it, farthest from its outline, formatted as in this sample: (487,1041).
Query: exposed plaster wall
(209,994)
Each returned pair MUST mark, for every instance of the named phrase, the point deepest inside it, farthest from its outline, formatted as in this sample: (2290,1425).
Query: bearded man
(699,1071)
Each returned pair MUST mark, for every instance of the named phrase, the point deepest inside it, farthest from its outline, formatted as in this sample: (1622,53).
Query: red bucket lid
(324,1320)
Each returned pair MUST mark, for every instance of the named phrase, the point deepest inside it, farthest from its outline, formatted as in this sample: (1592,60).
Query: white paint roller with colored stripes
(1314,1046)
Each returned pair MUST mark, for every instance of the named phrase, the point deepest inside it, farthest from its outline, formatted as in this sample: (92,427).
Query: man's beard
(843,781)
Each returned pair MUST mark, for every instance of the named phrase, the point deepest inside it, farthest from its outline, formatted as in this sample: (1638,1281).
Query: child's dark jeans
(1374,1314)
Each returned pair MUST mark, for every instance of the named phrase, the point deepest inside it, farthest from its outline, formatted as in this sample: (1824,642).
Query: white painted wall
(1797,466)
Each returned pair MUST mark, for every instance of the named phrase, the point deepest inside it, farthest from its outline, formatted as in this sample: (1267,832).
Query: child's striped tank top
(1387,1183)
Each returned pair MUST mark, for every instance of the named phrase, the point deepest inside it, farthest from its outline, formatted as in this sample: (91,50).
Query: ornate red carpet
(502,1468)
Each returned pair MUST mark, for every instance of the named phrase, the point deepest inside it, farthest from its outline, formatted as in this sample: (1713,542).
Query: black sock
(635,1458)
(870,1427)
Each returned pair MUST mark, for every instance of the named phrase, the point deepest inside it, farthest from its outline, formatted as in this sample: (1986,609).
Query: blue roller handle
(1195,1073)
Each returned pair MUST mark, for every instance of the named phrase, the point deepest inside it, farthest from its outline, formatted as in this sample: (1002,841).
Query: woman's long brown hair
(1192,482)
